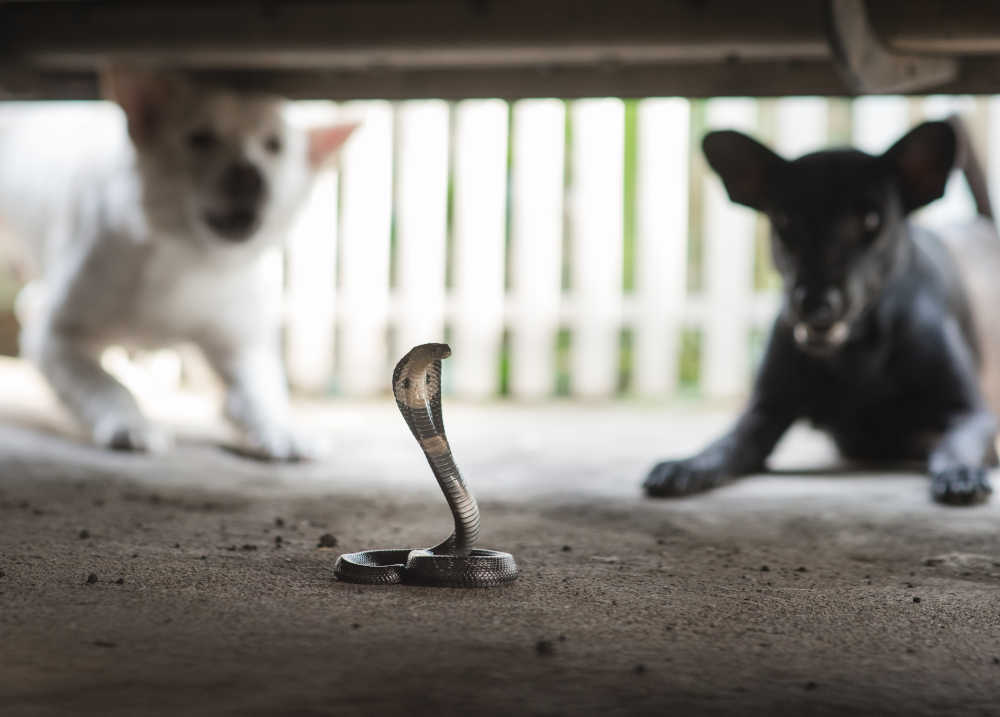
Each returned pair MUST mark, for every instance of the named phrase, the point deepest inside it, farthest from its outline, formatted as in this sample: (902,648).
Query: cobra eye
(871,221)
(202,140)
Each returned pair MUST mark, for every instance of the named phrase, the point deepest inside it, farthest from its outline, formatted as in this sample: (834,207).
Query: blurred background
(565,248)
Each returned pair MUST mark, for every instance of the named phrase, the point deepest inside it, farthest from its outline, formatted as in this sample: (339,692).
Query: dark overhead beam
(472,48)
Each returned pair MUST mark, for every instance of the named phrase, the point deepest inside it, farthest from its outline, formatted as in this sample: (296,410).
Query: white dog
(157,236)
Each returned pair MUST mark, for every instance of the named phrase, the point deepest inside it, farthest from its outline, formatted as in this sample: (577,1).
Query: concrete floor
(801,592)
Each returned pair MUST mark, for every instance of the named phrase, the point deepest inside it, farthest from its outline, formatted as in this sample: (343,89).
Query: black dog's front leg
(960,462)
(745,447)
(740,451)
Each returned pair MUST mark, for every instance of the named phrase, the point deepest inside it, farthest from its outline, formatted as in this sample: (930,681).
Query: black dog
(875,343)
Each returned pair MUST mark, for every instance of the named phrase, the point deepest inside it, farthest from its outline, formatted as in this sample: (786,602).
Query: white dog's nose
(243,182)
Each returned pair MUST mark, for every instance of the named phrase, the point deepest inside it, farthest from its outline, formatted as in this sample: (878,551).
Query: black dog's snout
(243,182)
(820,308)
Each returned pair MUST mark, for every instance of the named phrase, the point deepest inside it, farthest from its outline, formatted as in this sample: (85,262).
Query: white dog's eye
(872,221)
(273,144)
(202,140)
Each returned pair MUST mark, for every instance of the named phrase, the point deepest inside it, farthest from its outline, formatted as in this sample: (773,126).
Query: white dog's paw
(279,443)
(121,434)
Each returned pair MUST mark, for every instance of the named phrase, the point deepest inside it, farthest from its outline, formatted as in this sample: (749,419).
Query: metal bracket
(867,66)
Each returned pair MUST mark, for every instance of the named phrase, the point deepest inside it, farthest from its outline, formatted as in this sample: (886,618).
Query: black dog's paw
(677,478)
(961,485)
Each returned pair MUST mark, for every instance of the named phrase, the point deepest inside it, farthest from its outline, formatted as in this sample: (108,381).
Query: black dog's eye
(871,221)
(273,144)
(202,140)
(780,221)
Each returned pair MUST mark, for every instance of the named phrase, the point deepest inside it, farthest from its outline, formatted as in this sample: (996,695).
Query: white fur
(123,255)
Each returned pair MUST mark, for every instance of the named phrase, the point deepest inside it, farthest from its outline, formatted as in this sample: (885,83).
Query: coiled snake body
(416,385)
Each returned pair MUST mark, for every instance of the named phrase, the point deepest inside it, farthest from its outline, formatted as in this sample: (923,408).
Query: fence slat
(366,210)
(596,244)
(536,244)
(479,232)
(992,149)
(661,241)
(957,204)
(422,186)
(311,271)
(728,250)
(311,261)
(877,122)
(802,126)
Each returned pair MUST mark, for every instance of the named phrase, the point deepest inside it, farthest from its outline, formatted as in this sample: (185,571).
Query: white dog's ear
(325,141)
(144,95)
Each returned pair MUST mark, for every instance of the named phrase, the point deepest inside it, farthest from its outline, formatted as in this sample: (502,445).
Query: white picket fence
(508,230)
(530,256)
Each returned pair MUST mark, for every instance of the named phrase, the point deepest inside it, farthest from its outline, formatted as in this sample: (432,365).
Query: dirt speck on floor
(545,648)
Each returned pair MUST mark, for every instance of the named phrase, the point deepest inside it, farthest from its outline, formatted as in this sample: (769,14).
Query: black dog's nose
(243,182)
(819,308)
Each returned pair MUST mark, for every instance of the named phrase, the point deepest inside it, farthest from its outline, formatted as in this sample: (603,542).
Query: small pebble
(279,522)
(177,545)
(84,534)
(764,569)
(120,581)
(2,573)
(204,557)
(562,638)
(278,540)
(248,546)
(916,599)
(92,578)
(810,686)
(326,540)
(802,569)
(544,648)
(567,548)
(996,660)
(356,625)
(104,643)
(639,669)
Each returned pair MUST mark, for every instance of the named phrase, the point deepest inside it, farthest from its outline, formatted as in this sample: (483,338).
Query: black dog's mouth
(820,342)
(233,224)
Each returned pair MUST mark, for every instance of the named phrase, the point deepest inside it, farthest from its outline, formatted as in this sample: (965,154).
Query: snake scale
(455,562)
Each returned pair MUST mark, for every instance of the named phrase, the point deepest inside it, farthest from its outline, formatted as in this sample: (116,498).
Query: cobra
(455,562)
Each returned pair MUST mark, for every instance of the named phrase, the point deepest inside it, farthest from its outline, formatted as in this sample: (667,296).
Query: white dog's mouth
(820,342)
(233,224)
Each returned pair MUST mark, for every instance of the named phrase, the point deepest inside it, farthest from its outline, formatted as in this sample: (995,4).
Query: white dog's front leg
(257,400)
(103,405)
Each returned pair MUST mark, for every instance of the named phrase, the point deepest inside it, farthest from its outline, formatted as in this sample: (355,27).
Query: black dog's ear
(922,160)
(745,166)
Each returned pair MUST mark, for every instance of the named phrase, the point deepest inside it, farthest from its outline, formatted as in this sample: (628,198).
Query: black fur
(875,342)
